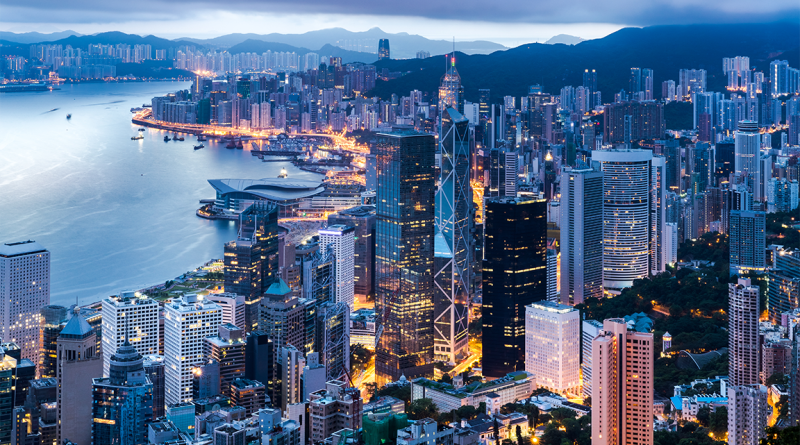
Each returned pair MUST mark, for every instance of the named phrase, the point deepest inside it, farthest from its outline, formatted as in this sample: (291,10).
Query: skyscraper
(228,349)
(78,364)
(404,254)
(24,290)
(514,275)
(334,333)
(553,346)
(129,317)
(453,220)
(581,235)
(589,330)
(363,219)
(383,49)
(341,239)
(123,402)
(260,361)
(748,412)
(747,241)
(8,364)
(622,385)
(626,216)
(743,344)
(784,285)
(154,369)
(635,82)
(54,318)
(188,321)
(748,154)
(450,87)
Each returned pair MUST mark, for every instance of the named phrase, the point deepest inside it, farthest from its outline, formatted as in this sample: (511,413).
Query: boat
(142,129)
(69,116)
(178,139)
(283,174)
(137,137)
(201,138)
(239,145)
(231,144)
(166,138)
(198,147)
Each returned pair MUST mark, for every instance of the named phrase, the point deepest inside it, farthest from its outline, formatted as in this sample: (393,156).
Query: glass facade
(514,275)
(404,253)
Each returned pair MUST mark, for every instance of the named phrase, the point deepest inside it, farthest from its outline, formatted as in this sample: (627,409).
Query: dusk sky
(509,22)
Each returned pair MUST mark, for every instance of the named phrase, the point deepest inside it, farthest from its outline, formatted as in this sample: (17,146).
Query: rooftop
(273,189)
(20,248)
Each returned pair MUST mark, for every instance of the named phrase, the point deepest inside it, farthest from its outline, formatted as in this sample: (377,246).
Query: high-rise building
(341,240)
(122,403)
(450,90)
(319,275)
(54,318)
(233,308)
(553,346)
(748,154)
(626,216)
(363,219)
(154,369)
(334,408)
(383,49)
(228,349)
(188,321)
(334,332)
(743,344)
(622,385)
(633,121)
(581,235)
(747,241)
(248,394)
(25,422)
(784,285)
(647,83)
(8,365)
(260,361)
(205,380)
(283,317)
(748,412)
(514,275)
(404,254)
(589,330)
(24,290)
(78,364)
(130,317)
(453,218)
(289,364)
(635,81)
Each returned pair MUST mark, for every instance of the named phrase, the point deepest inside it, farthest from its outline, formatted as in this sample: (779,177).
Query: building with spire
(78,364)
(122,403)
(451,93)
(453,224)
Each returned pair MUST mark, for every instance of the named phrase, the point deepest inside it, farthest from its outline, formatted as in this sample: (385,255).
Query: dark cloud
(628,12)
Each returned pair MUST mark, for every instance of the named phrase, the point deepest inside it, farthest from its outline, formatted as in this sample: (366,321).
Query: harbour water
(114,213)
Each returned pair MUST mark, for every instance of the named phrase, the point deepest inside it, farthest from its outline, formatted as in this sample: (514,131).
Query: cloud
(631,12)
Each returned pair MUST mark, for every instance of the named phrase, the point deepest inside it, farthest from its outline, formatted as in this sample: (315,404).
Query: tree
(496,430)
(519,435)
(423,408)
(785,436)
(704,416)
(718,424)
(560,414)
(777,378)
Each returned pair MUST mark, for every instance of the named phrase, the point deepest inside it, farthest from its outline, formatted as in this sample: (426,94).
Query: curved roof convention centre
(273,189)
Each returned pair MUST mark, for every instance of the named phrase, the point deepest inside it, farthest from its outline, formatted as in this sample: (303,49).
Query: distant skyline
(510,23)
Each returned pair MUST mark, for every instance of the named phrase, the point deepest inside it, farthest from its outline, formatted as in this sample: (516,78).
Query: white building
(748,411)
(591,329)
(233,308)
(743,343)
(342,239)
(133,316)
(747,154)
(187,322)
(553,346)
(24,290)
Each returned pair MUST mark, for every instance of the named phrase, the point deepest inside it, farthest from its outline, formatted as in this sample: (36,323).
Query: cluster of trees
(566,427)
(779,227)
(690,433)
(360,358)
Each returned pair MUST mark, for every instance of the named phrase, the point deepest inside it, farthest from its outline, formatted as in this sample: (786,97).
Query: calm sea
(114,213)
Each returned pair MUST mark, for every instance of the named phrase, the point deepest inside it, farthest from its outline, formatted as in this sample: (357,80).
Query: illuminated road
(367,376)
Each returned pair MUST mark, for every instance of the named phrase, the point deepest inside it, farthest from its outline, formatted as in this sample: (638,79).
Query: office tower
(122,403)
(188,321)
(453,218)
(283,317)
(78,364)
(334,345)
(228,434)
(25,422)
(289,366)
(53,320)
(553,346)
(129,317)
(383,49)
(314,375)
(182,416)
(581,235)
(334,408)
(590,79)
(24,373)
(633,121)
(248,394)
(449,88)
(748,152)
(691,81)
(154,370)
(404,254)
(260,360)
(251,262)
(319,275)
(233,308)
(514,275)
(24,290)
(747,241)
(626,216)
(363,219)
(590,329)
(647,83)
(8,365)
(674,161)
(622,385)
(553,263)
(748,412)
(743,344)
(228,349)
(784,285)
(340,239)
(635,81)
(484,102)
